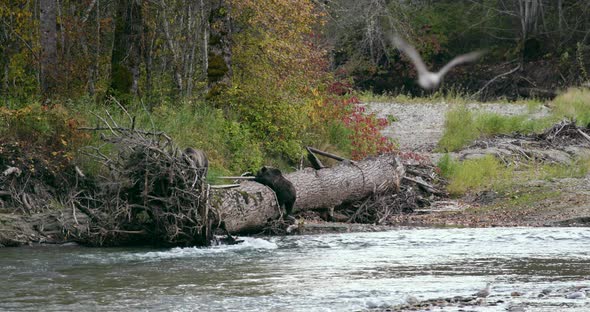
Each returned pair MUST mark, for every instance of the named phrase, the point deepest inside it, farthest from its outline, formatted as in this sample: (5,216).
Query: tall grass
(463,126)
(472,175)
(228,144)
(573,104)
(488,172)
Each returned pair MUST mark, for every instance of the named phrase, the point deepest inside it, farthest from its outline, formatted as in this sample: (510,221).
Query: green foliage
(579,168)
(38,126)
(573,104)
(488,172)
(459,129)
(360,130)
(242,148)
(216,68)
(447,165)
(340,136)
(463,126)
(229,144)
(489,124)
(474,174)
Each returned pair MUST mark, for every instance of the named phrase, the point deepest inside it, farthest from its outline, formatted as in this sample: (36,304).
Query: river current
(336,272)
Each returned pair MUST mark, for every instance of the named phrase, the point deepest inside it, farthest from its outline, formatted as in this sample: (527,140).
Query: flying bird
(427,79)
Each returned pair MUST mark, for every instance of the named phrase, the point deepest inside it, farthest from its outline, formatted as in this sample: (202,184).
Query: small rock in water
(376,304)
(546,291)
(515,294)
(576,295)
(484,292)
(411,300)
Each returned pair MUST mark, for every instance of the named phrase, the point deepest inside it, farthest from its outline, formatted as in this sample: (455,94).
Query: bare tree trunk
(560,18)
(48,34)
(126,48)
(205,11)
(173,49)
(249,207)
(219,66)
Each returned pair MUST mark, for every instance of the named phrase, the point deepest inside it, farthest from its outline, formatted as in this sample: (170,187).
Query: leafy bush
(41,128)
(345,116)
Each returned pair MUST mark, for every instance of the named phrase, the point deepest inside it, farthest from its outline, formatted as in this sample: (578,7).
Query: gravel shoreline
(419,126)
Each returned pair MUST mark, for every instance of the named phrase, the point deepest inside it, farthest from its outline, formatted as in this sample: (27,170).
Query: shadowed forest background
(253,82)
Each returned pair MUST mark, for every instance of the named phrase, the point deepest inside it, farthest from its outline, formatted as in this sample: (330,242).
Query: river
(336,272)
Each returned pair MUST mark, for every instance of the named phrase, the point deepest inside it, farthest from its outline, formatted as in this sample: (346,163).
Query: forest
(249,81)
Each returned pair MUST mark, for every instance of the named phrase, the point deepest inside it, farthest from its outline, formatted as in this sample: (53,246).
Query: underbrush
(38,146)
(487,173)
(234,144)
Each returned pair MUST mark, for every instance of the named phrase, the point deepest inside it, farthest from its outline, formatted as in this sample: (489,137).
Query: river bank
(556,200)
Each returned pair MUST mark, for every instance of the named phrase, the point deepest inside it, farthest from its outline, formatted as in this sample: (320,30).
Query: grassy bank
(488,173)
(463,126)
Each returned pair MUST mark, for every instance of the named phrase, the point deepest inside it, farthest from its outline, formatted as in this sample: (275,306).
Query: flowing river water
(335,272)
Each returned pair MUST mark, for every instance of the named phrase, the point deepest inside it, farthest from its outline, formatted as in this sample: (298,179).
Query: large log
(249,207)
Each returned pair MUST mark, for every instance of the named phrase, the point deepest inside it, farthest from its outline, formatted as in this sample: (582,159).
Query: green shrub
(447,165)
(459,129)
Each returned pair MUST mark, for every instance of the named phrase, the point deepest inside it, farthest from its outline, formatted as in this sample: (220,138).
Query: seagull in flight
(427,79)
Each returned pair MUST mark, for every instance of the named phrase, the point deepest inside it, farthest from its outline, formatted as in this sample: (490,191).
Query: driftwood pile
(419,188)
(563,143)
(150,191)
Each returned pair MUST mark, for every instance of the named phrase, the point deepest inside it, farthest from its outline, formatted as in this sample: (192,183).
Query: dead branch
(326,154)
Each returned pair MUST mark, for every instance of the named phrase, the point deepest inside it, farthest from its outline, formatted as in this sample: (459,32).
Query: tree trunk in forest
(249,207)
(205,11)
(126,47)
(219,55)
(48,33)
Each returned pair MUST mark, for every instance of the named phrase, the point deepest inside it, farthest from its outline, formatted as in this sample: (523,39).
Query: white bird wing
(465,58)
(411,53)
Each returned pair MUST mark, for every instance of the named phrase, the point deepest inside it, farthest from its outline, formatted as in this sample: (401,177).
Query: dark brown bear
(273,178)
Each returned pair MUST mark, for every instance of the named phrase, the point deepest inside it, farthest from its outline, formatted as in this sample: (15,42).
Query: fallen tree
(250,206)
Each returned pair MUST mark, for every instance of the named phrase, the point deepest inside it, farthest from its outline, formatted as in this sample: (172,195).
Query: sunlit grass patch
(573,104)
(459,129)
(474,174)
(463,126)
(489,173)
